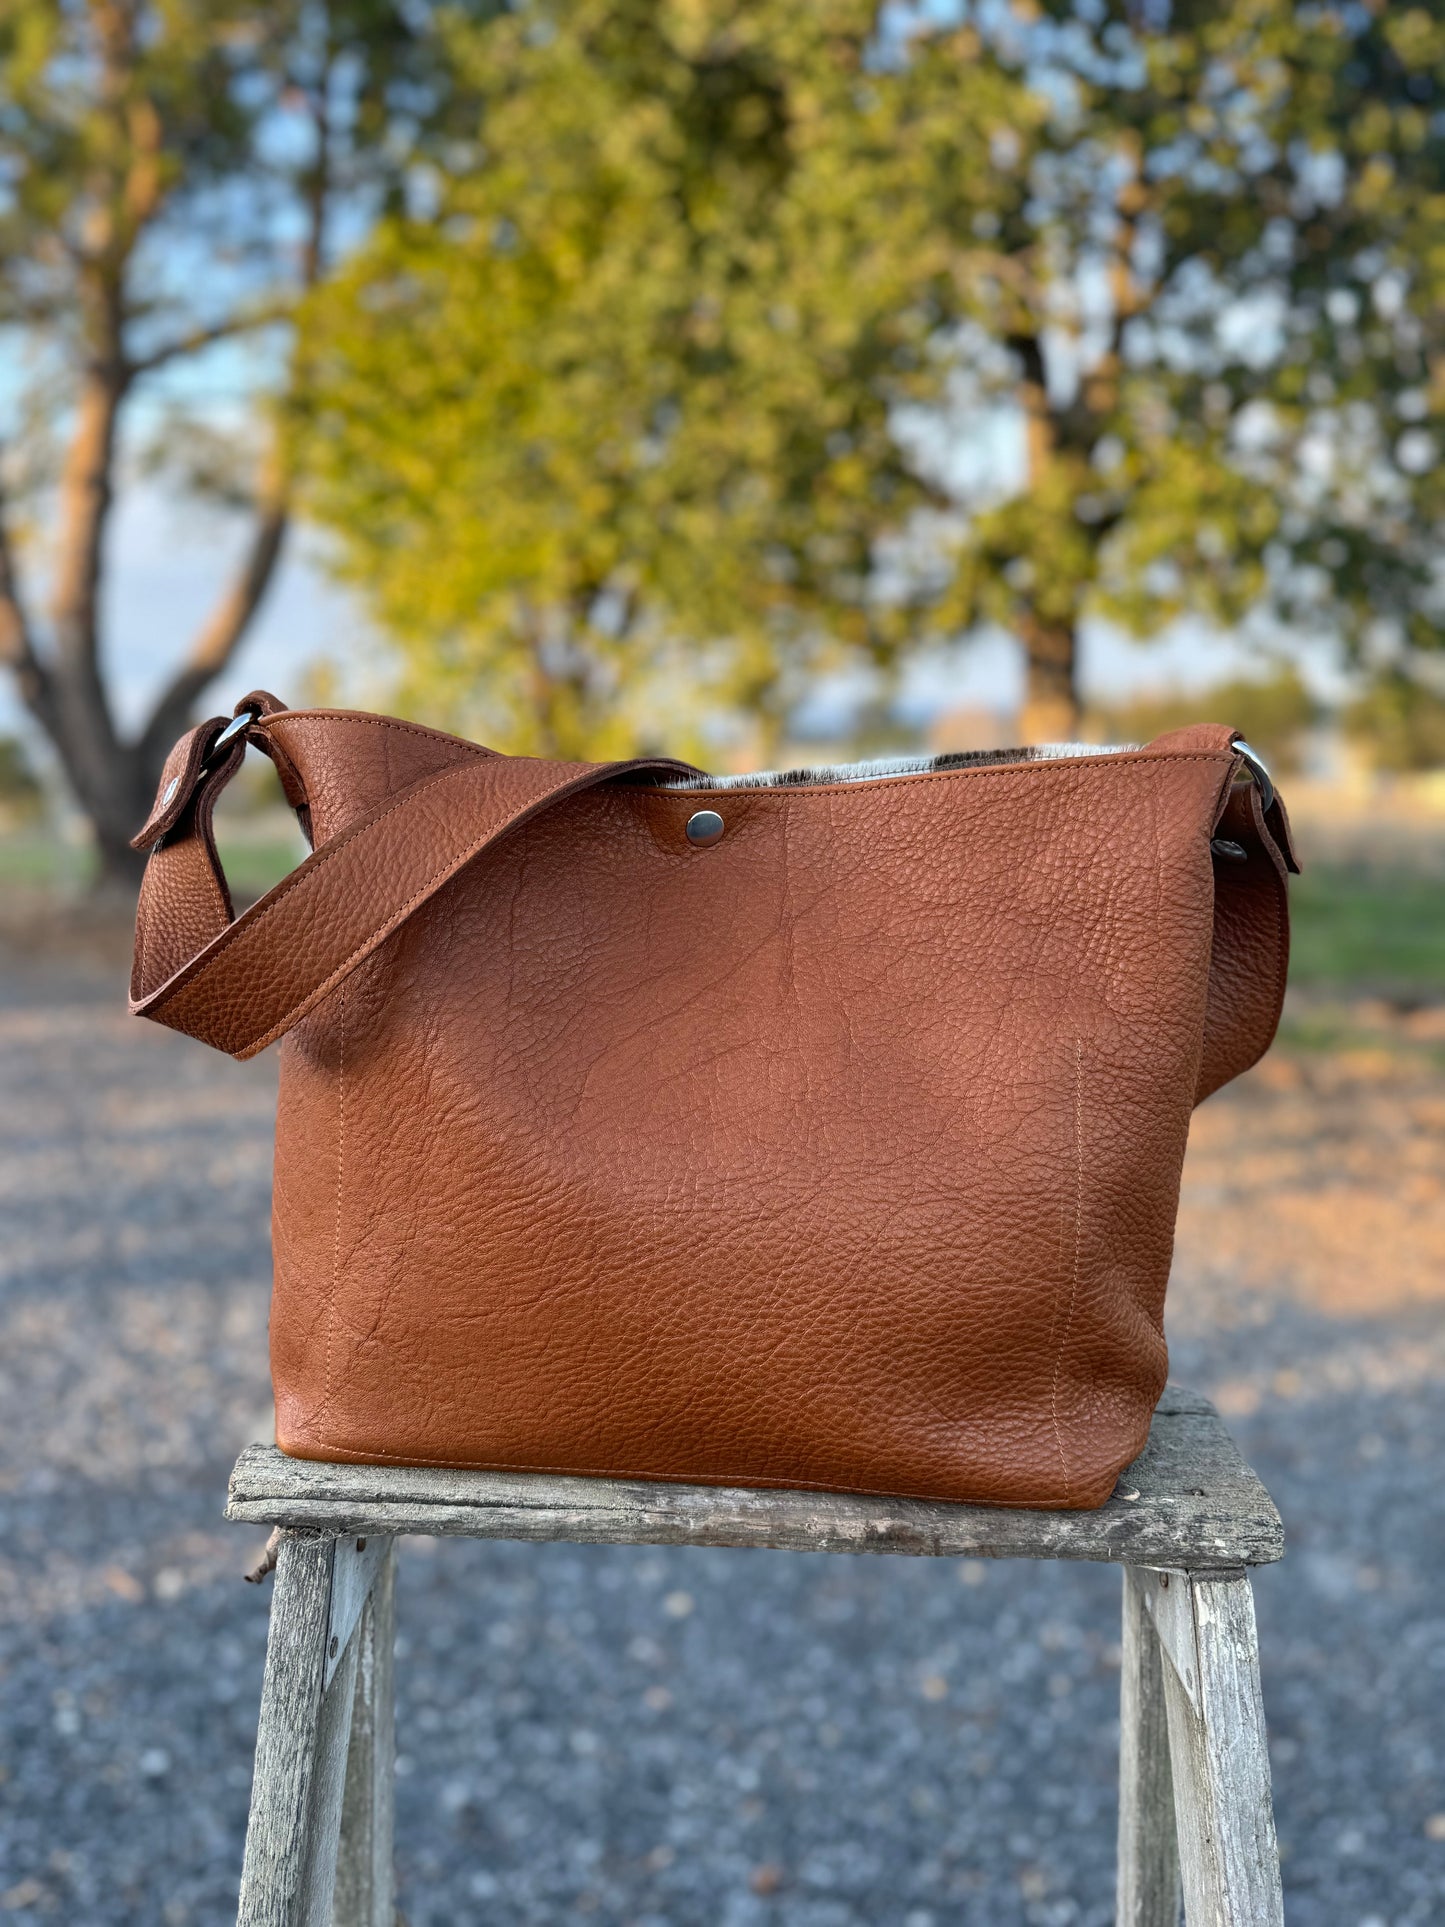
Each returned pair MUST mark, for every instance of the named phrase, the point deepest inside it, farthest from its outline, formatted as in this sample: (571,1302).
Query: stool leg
(365,1882)
(289,1873)
(1148,1845)
(1229,1857)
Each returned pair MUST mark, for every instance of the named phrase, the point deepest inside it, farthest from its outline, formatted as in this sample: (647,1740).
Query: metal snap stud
(704,827)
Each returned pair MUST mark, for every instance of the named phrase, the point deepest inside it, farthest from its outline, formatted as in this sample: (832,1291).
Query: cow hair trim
(871,772)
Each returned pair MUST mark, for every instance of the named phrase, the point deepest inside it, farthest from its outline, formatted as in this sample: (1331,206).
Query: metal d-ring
(1255,764)
(236,727)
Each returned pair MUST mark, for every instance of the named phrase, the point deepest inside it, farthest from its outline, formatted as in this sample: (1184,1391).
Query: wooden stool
(1186,1522)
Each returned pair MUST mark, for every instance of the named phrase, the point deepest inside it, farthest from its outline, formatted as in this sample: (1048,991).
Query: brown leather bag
(818,1132)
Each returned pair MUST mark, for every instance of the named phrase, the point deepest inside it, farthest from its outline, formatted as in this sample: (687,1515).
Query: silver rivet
(704,827)
(171,788)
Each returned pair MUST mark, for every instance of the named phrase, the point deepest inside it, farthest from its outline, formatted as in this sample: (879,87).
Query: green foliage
(1399,723)
(1272,713)
(1352,196)
(609,429)
(608,435)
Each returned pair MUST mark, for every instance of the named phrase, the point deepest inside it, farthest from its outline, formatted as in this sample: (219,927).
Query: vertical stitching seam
(1074,1285)
(340,1162)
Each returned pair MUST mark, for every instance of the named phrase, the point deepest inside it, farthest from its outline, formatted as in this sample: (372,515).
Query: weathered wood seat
(1186,1521)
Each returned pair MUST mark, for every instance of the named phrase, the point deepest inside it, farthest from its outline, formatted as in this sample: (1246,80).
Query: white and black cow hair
(812,774)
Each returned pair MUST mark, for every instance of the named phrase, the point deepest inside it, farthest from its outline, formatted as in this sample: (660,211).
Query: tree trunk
(556,678)
(113,780)
(79,719)
(129,795)
(1051,699)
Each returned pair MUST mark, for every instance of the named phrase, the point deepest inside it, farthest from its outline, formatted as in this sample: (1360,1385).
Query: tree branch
(192,344)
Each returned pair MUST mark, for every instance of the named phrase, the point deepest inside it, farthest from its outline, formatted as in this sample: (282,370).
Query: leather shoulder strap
(239,984)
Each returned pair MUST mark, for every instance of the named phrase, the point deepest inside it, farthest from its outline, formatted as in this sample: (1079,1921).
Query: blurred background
(760,384)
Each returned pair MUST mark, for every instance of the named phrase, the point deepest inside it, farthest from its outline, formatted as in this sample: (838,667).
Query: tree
(611,422)
(1222,194)
(1111,275)
(172,178)
(1398,723)
(1348,426)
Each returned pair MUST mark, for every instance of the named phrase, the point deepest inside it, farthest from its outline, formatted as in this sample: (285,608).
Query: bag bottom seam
(722,1480)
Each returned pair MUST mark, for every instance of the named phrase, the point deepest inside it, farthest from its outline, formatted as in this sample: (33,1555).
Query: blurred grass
(1359,927)
(34,860)
(253,857)
(255,864)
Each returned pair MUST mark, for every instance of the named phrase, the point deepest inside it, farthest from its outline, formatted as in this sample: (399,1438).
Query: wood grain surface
(1188,1500)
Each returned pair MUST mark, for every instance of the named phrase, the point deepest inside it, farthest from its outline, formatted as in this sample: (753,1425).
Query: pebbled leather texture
(842,1153)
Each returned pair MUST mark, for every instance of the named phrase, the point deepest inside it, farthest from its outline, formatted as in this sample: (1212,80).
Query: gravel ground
(687,1738)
